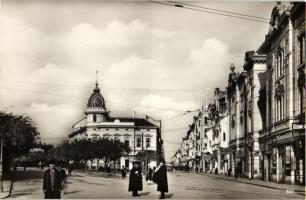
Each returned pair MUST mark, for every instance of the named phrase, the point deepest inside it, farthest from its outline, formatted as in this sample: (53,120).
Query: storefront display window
(288,161)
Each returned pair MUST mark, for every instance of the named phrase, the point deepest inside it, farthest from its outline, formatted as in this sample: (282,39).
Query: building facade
(258,126)
(283,140)
(139,134)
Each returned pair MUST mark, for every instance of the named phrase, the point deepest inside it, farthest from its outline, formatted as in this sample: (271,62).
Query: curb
(241,181)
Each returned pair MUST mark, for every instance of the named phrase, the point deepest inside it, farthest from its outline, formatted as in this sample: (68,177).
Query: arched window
(224,137)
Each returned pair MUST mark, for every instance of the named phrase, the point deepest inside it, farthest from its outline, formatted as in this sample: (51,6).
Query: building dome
(96,99)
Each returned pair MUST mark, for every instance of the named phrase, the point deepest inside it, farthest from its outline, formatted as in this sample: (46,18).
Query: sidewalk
(96,174)
(278,186)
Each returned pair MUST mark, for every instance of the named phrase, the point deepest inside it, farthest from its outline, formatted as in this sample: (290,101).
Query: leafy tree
(19,135)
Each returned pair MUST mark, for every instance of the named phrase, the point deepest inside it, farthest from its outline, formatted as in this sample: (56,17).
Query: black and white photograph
(152,99)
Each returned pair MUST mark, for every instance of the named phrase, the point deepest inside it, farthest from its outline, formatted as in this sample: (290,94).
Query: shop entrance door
(269,169)
(282,168)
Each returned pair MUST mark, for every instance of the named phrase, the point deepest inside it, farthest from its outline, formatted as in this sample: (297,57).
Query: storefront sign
(287,137)
(297,126)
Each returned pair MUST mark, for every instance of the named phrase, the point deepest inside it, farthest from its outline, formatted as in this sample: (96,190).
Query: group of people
(55,181)
(159,176)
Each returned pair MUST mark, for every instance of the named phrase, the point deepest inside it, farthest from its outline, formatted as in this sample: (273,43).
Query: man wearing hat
(135,181)
(160,177)
(52,182)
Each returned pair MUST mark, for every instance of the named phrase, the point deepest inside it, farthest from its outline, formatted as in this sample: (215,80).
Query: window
(301,48)
(279,63)
(224,137)
(138,142)
(280,108)
(274,161)
(148,142)
(94,117)
(205,145)
(127,143)
(209,143)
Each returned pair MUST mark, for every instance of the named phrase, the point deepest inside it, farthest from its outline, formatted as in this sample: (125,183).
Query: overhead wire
(76,97)
(179,115)
(219,10)
(212,12)
(104,88)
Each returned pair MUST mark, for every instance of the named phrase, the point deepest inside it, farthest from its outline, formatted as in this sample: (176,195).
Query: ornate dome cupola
(96,109)
(96,99)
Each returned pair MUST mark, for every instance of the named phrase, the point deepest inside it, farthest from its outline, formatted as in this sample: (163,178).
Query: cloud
(209,61)
(131,54)
(53,121)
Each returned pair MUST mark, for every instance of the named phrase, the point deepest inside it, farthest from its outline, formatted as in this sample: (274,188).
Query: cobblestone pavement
(181,186)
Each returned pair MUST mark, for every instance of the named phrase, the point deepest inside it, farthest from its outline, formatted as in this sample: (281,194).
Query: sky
(151,59)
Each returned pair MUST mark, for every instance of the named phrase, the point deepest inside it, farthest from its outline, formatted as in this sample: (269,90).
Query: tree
(19,135)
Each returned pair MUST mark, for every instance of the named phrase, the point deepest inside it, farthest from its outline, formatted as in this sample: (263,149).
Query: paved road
(181,186)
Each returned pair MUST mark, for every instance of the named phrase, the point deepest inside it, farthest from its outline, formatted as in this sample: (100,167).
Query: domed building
(139,134)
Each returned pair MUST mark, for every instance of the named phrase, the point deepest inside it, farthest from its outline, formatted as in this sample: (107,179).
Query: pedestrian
(70,168)
(160,177)
(123,172)
(150,177)
(236,172)
(240,168)
(216,171)
(229,171)
(63,177)
(135,181)
(108,169)
(52,182)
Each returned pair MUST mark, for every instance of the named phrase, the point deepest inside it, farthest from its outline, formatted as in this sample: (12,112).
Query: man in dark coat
(52,186)
(160,177)
(135,181)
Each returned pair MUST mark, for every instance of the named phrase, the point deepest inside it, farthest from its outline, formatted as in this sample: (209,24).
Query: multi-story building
(236,111)
(258,126)
(139,134)
(222,131)
(283,140)
(253,113)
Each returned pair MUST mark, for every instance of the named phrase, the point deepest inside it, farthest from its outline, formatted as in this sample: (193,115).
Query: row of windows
(138,142)
(127,142)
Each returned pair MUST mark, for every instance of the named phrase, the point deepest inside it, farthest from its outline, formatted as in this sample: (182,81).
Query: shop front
(206,158)
(288,158)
